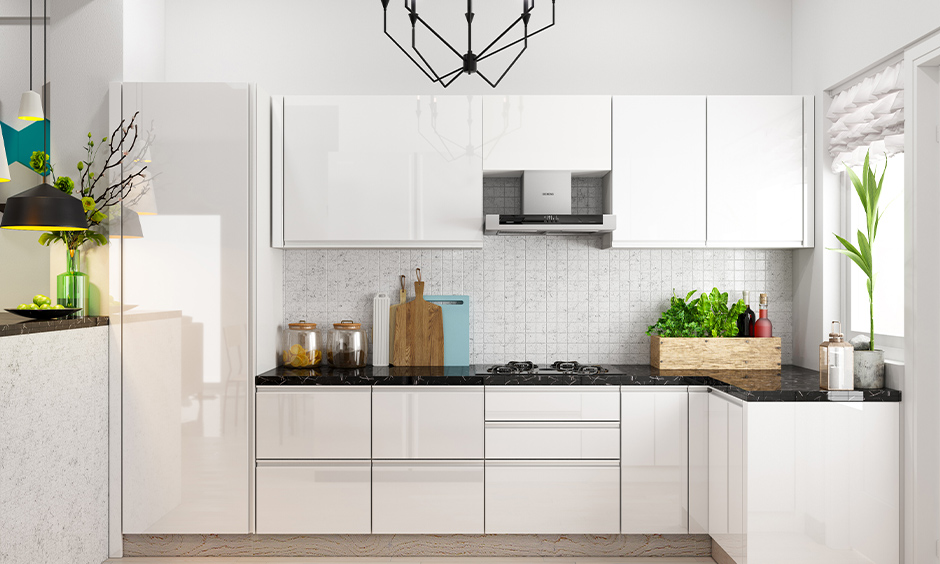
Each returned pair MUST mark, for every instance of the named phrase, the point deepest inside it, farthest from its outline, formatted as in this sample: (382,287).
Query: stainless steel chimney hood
(546,209)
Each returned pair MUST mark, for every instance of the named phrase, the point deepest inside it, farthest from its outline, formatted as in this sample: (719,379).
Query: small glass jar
(836,362)
(347,345)
(302,345)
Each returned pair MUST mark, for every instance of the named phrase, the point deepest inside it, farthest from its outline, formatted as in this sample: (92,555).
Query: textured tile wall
(540,298)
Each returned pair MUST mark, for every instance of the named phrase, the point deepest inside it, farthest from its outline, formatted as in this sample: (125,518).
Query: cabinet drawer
(427,497)
(313,498)
(428,423)
(542,497)
(544,403)
(321,423)
(558,440)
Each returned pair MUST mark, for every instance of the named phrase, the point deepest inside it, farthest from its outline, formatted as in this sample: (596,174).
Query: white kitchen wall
(540,298)
(597,46)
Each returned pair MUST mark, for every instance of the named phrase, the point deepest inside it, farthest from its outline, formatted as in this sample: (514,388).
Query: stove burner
(573,367)
(513,367)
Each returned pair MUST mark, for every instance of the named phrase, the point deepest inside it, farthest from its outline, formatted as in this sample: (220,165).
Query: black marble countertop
(11,324)
(790,383)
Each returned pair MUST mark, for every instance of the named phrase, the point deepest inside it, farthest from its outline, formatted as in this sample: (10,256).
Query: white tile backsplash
(540,298)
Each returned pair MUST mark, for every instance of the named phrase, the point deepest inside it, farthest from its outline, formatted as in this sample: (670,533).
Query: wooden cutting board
(419,332)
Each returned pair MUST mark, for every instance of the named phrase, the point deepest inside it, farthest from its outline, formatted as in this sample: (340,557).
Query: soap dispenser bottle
(836,362)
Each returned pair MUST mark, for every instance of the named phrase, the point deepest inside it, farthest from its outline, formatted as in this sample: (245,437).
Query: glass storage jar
(302,345)
(347,345)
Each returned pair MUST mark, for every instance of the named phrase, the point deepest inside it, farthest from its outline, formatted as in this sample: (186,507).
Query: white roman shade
(867,116)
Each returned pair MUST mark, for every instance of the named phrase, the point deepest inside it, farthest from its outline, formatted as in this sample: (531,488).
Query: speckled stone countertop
(790,383)
(11,324)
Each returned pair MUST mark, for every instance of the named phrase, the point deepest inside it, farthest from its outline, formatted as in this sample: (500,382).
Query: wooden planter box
(726,353)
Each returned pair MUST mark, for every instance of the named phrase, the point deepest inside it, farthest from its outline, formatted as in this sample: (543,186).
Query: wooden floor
(463,560)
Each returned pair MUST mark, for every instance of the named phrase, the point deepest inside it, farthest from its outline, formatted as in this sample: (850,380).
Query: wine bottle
(746,319)
(763,327)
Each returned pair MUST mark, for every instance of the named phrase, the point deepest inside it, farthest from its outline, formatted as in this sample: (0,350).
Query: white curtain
(867,116)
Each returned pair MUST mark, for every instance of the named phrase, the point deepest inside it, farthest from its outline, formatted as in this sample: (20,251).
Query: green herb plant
(869,191)
(705,316)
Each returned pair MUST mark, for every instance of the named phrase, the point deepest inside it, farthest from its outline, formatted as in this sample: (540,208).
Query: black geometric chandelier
(469,60)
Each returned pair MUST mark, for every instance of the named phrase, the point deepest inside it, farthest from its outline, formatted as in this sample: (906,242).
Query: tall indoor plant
(97,199)
(869,365)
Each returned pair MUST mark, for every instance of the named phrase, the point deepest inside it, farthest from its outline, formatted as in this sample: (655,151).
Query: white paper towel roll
(380,307)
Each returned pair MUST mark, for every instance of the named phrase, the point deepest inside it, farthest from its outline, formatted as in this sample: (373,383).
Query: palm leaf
(865,249)
(859,188)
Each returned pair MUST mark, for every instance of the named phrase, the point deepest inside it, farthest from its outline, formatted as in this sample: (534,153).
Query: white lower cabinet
(427,497)
(552,497)
(655,460)
(698,460)
(313,498)
(313,422)
(726,515)
(431,422)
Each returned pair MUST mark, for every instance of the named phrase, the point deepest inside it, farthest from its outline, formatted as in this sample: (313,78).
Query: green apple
(23,306)
(45,306)
(58,306)
(40,299)
(31,306)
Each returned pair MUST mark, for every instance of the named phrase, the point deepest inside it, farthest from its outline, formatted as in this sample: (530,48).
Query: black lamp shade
(44,208)
(127,226)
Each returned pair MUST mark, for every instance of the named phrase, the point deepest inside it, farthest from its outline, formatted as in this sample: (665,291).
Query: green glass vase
(72,285)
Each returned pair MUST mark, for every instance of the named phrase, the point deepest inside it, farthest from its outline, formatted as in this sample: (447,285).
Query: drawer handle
(552,425)
(314,463)
(554,463)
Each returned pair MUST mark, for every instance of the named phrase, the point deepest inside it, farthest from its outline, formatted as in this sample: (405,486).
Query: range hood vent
(546,210)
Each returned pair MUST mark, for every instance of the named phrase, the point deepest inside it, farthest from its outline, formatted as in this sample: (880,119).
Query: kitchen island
(54,437)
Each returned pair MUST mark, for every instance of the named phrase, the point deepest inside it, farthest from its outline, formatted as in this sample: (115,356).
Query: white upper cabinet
(757,188)
(546,133)
(378,171)
(658,174)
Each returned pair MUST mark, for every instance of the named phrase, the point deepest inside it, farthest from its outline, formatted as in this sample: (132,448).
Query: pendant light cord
(30,44)
(45,103)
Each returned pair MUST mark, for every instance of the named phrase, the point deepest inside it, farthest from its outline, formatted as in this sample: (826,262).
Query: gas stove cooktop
(560,367)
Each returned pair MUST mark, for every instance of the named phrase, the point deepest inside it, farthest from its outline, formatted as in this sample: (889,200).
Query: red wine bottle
(763,327)
(746,319)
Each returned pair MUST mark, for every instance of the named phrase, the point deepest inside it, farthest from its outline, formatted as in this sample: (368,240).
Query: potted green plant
(869,364)
(700,333)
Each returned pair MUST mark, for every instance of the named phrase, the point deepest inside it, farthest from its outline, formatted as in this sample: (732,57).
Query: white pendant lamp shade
(4,165)
(31,106)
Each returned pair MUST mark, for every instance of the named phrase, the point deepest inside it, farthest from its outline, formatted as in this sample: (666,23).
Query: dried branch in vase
(96,198)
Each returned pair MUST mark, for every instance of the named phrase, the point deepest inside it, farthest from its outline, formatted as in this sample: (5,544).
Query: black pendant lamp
(44,207)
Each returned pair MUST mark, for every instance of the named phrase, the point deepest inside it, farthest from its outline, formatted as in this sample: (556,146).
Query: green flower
(88,203)
(98,217)
(39,161)
(65,184)
(80,165)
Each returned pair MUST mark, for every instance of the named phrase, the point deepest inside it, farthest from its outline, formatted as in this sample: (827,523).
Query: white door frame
(921,417)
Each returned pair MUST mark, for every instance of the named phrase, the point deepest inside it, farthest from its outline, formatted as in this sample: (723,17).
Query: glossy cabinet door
(186,396)
(726,485)
(546,133)
(315,497)
(378,171)
(654,460)
(313,422)
(430,422)
(552,497)
(427,497)
(658,177)
(823,482)
(756,191)
(552,403)
(698,460)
